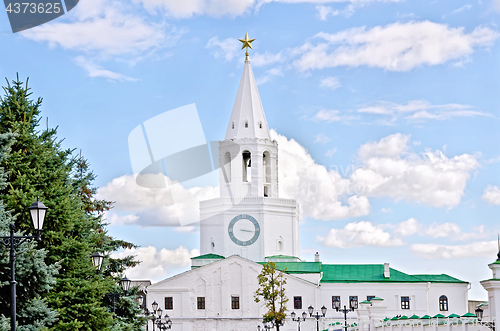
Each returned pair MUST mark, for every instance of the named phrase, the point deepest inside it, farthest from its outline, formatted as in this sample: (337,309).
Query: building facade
(250,225)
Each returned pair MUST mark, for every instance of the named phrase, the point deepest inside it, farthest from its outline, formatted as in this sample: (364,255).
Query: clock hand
(245,230)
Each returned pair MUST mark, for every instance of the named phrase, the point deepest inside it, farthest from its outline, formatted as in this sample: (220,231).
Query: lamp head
(304,315)
(479,313)
(310,309)
(323,310)
(97,259)
(37,213)
(154,305)
(292,315)
(125,283)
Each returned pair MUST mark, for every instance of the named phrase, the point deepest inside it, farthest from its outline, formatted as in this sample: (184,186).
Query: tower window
(212,245)
(405,302)
(233,125)
(226,168)
(247,163)
(443,303)
(246,124)
(260,125)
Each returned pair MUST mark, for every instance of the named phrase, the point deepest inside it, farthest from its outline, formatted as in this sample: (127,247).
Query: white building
(250,224)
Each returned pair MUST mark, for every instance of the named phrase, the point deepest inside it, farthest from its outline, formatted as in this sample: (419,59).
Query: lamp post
(157,321)
(299,319)
(479,314)
(345,310)
(125,284)
(317,316)
(37,212)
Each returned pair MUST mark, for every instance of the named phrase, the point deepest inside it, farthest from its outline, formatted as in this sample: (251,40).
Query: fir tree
(74,228)
(33,276)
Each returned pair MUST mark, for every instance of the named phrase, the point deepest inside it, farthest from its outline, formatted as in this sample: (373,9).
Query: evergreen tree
(74,228)
(33,276)
(272,291)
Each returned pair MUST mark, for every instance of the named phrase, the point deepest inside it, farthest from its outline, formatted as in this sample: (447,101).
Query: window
(443,303)
(201,303)
(169,303)
(370,297)
(246,124)
(353,302)
(235,302)
(233,126)
(405,302)
(335,302)
(297,302)
(260,125)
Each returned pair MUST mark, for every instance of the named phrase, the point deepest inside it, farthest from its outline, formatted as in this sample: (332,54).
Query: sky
(386,114)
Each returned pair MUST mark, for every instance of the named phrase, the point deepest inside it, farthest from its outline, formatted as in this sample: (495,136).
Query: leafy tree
(33,312)
(272,291)
(74,226)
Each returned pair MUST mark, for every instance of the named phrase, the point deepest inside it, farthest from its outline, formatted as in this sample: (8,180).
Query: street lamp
(345,310)
(479,314)
(97,259)
(299,319)
(125,284)
(157,321)
(37,212)
(317,316)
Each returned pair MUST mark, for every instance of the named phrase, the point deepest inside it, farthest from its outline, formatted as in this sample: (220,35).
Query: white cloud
(438,251)
(431,178)
(315,188)
(105,28)
(358,234)
(395,47)
(419,111)
(321,138)
(330,152)
(156,264)
(330,82)
(262,59)
(93,70)
(326,11)
(491,195)
(408,227)
(495,4)
(153,206)
(268,75)
(227,48)
(333,115)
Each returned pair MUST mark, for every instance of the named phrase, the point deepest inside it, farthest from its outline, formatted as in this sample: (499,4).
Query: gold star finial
(246,43)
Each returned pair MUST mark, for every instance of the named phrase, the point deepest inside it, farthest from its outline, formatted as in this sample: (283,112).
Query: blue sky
(393,104)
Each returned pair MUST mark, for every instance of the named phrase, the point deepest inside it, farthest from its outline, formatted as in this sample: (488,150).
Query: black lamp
(125,283)
(97,259)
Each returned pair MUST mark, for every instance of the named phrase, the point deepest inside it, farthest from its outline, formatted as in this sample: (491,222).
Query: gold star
(246,43)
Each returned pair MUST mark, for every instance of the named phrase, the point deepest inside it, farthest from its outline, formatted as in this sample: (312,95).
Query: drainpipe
(467,297)
(427,295)
(317,289)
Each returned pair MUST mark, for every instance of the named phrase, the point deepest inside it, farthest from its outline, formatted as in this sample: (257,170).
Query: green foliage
(74,227)
(272,292)
(33,276)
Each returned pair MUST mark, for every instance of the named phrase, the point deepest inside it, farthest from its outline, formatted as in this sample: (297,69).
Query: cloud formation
(492,195)
(94,70)
(155,263)
(439,251)
(394,47)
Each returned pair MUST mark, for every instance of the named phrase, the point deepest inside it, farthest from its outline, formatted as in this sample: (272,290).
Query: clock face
(244,230)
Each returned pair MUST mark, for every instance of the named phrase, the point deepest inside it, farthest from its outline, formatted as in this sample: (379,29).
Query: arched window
(260,124)
(233,125)
(443,303)
(227,167)
(246,124)
(279,244)
(212,246)
(247,163)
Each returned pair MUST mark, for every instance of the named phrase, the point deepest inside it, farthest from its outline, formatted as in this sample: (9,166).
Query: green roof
(365,301)
(443,278)
(425,317)
(413,317)
(357,273)
(438,316)
(376,298)
(298,267)
(453,315)
(469,315)
(208,256)
(404,317)
(281,257)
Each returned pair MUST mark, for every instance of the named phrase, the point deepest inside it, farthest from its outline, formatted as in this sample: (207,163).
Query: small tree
(272,291)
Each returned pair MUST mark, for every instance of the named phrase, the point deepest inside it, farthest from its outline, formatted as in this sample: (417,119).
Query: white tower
(493,287)
(249,219)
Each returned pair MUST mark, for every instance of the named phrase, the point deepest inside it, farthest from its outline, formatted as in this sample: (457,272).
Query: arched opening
(246,123)
(227,167)
(279,244)
(212,246)
(266,172)
(233,125)
(443,303)
(260,124)
(247,163)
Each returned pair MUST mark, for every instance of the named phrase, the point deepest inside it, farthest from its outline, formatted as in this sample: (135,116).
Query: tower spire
(498,255)
(247,118)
